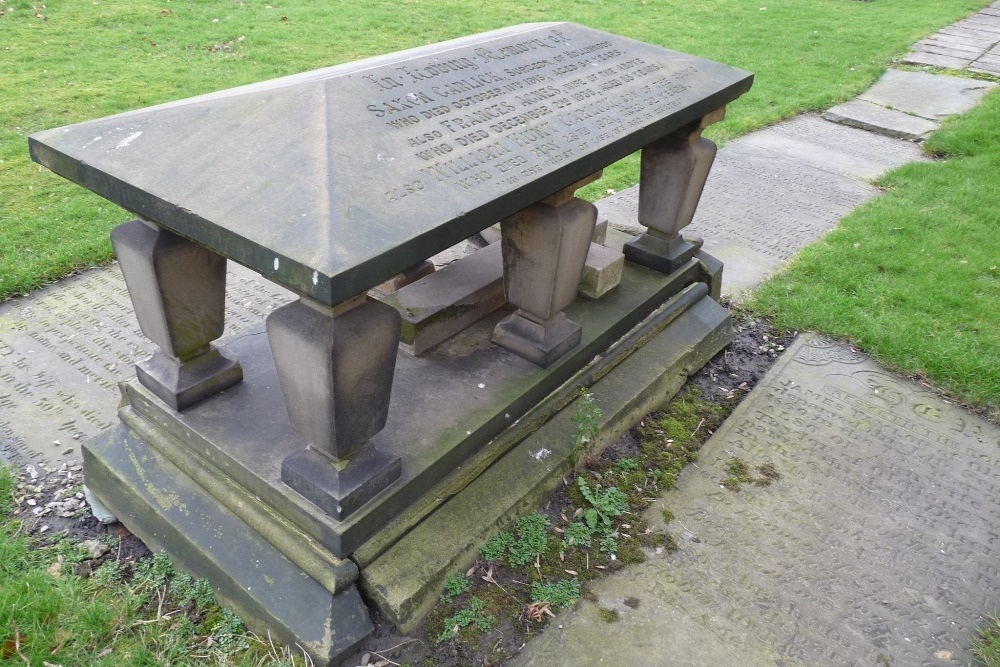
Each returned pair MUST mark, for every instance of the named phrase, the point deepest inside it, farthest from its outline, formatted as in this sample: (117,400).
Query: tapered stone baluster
(544,250)
(335,366)
(673,174)
(178,291)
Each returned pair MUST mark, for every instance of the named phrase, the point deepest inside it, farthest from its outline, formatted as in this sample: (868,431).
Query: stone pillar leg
(178,291)
(335,366)
(544,249)
(672,176)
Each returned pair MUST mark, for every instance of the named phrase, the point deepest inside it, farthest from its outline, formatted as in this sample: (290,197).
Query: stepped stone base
(493,436)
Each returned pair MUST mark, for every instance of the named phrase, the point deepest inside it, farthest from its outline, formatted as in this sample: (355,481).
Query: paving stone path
(972,44)
(875,545)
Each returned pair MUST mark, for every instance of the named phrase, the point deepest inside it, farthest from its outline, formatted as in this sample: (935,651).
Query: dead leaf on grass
(537,611)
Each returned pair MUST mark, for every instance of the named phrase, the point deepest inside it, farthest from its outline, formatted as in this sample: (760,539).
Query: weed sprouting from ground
(470,616)
(587,418)
(558,593)
(454,585)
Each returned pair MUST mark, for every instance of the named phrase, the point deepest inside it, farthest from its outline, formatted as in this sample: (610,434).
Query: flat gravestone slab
(64,349)
(874,118)
(985,67)
(877,545)
(958,40)
(936,60)
(809,140)
(330,182)
(931,96)
(950,48)
(769,196)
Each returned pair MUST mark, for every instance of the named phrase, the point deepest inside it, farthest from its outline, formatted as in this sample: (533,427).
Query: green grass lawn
(126,614)
(913,276)
(69,61)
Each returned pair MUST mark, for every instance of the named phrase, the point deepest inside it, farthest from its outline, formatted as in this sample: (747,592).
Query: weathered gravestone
(277,465)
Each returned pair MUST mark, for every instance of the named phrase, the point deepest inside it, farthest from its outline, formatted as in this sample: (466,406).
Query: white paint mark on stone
(541,454)
(127,140)
(315,277)
(276,263)
(482,386)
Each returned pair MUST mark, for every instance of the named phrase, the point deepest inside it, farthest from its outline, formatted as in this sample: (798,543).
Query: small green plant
(626,464)
(605,503)
(454,585)
(472,615)
(186,588)
(667,515)
(230,633)
(559,593)
(587,418)
(154,572)
(609,544)
(577,535)
(496,547)
(532,539)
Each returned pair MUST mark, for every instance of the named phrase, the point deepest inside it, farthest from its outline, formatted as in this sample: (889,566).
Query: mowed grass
(913,276)
(73,60)
(126,614)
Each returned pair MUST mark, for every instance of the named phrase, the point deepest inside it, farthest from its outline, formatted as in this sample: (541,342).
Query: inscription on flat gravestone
(456,136)
(64,349)
(876,546)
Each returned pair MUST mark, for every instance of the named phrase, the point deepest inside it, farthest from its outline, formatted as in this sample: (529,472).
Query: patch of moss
(631,602)
(738,472)
(630,553)
(656,539)
(768,474)
(607,615)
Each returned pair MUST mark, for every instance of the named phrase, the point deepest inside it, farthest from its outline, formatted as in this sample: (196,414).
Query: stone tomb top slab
(329,182)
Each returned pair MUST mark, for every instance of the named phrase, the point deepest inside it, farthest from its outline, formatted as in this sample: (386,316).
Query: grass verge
(913,276)
(63,604)
(73,61)
(987,646)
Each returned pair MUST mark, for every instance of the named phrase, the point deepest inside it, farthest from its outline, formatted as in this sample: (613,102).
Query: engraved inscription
(64,350)
(504,113)
(877,544)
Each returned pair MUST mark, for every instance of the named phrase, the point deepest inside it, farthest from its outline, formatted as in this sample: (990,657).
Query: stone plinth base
(206,484)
